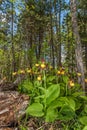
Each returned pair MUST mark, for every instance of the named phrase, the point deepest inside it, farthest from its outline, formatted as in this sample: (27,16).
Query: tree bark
(78,48)
(12,38)
(59,62)
(51,40)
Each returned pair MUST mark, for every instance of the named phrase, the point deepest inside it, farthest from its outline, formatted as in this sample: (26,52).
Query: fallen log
(6,86)
(7,128)
(12,108)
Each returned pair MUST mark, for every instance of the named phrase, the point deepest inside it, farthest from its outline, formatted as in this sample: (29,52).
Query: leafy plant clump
(54,96)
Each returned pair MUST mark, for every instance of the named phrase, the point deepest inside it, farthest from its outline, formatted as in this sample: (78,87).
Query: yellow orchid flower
(71,83)
(43,66)
(62,72)
(39,78)
(28,70)
(79,74)
(58,72)
(85,80)
(37,65)
(22,71)
(14,73)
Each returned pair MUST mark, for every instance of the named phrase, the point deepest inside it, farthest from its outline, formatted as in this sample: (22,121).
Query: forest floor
(12,112)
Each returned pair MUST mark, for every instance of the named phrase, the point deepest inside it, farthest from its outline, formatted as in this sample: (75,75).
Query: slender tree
(59,63)
(12,37)
(78,48)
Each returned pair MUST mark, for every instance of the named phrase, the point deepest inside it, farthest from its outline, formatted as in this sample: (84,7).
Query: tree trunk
(57,10)
(86,56)
(59,33)
(78,48)
(12,31)
(51,40)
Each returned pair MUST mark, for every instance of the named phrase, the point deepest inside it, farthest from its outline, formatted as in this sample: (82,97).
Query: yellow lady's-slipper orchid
(79,74)
(37,65)
(29,70)
(85,80)
(62,72)
(58,72)
(71,83)
(43,66)
(39,78)
(22,71)
(14,73)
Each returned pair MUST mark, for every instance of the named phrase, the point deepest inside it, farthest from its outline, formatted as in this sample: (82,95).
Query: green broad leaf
(65,79)
(28,85)
(76,94)
(84,97)
(83,120)
(37,83)
(85,128)
(78,105)
(51,115)
(52,93)
(85,109)
(64,100)
(67,101)
(66,113)
(71,103)
(41,96)
(50,78)
(43,89)
(59,102)
(55,104)
(35,109)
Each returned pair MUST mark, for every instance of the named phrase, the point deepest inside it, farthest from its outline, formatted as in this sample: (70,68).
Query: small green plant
(54,96)
(22,127)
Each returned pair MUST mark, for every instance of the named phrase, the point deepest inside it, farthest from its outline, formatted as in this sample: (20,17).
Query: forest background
(34,30)
(43,53)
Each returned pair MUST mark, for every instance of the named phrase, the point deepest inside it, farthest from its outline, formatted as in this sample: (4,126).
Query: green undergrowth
(55,97)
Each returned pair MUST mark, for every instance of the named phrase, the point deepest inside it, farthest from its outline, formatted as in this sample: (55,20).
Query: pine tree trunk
(51,40)
(12,32)
(78,48)
(59,33)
